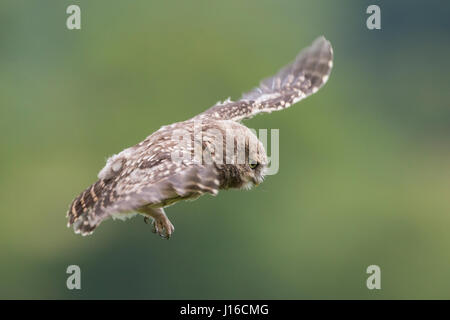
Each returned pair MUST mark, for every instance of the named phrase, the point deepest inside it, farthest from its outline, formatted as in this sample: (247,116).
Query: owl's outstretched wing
(130,182)
(303,77)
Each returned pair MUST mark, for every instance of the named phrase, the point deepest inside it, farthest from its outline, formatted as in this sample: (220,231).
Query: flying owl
(185,160)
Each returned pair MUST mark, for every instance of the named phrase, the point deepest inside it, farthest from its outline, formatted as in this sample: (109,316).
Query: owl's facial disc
(253,173)
(255,168)
(252,177)
(258,174)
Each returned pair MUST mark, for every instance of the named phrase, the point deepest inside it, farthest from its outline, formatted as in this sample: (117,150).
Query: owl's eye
(253,165)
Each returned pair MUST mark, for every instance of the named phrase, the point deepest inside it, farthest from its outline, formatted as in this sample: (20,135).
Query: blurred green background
(364,164)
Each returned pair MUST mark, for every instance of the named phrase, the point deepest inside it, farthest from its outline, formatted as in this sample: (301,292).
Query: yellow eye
(253,165)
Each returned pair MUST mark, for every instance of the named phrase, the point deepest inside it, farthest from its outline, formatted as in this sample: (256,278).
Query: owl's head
(253,170)
(245,159)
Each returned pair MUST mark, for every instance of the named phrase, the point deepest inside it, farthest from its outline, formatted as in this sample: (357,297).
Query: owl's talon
(160,223)
(154,229)
(163,227)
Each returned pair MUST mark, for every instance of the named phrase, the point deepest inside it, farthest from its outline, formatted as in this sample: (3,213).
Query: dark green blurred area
(364,164)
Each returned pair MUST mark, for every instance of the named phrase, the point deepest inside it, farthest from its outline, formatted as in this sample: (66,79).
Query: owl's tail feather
(84,206)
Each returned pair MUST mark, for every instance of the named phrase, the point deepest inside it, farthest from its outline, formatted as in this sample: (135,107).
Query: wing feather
(296,81)
(189,183)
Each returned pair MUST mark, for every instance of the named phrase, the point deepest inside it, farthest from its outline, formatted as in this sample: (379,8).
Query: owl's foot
(161,224)
(163,227)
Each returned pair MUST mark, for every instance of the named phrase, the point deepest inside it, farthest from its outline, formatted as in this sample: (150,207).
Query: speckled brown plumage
(145,178)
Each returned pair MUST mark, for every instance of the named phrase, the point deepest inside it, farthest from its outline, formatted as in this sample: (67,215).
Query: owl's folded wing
(303,77)
(108,197)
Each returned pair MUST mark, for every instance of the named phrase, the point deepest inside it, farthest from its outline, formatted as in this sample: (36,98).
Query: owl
(207,153)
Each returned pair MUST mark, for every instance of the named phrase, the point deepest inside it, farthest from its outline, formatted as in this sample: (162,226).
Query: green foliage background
(364,164)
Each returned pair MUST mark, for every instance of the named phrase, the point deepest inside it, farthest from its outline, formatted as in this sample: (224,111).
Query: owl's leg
(161,224)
